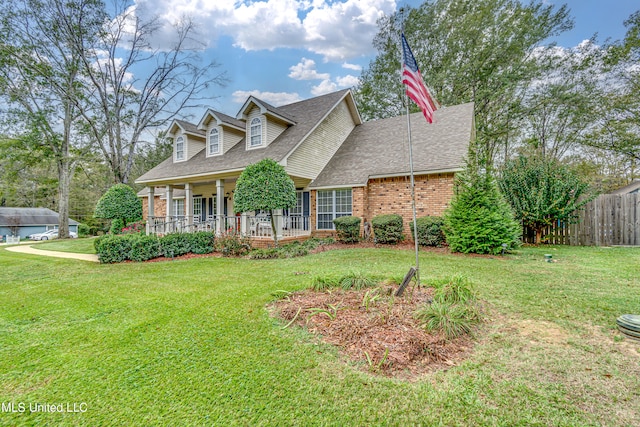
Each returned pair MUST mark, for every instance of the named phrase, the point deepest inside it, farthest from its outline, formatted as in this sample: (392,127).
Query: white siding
(231,137)
(194,146)
(314,153)
(274,129)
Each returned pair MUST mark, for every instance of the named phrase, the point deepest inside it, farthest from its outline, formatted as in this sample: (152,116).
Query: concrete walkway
(28,249)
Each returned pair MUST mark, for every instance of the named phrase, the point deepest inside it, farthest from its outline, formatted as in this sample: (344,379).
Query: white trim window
(255,132)
(178,207)
(179,148)
(214,141)
(332,204)
(197,207)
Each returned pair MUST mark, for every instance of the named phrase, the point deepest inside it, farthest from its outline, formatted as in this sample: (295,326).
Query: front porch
(256,227)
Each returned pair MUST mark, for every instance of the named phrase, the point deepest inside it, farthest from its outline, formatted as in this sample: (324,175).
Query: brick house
(339,165)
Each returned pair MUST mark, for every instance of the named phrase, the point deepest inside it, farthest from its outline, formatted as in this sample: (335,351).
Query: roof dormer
(264,122)
(188,140)
(222,132)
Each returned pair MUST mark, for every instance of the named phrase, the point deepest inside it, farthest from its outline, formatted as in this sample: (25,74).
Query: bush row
(387,229)
(290,250)
(136,247)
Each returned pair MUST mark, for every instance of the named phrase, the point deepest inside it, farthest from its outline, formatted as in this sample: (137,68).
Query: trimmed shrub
(120,202)
(175,244)
(347,229)
(233,244)
(113,248)
(203,242)
(387,229)
(144,248)
(116,226)
(430,231)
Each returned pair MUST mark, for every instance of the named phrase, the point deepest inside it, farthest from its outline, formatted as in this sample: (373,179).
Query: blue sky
(287,50)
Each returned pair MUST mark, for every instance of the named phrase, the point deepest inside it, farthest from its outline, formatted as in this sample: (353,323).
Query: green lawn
(191,343)
(81,246)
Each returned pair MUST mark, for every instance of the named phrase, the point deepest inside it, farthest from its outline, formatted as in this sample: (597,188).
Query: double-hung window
(180,148)
(197,207)
(214,141)
(178,207)
(332,204)
(256,132)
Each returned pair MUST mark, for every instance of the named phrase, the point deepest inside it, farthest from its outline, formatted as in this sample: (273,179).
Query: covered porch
(207,205)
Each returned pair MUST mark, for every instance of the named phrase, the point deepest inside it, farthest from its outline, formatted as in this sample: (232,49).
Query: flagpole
(413,192)
(413,184)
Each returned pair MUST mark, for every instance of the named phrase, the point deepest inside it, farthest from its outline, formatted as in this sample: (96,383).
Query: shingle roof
(190,127)
(30,216)
(380,148)
(230,120)
(307,114)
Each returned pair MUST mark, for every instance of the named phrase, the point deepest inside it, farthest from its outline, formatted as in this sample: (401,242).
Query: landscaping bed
(375,329)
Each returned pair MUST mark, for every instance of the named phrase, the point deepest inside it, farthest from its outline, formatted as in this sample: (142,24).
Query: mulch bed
(382,338)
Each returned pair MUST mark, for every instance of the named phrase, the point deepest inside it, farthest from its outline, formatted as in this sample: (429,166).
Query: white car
(49,235)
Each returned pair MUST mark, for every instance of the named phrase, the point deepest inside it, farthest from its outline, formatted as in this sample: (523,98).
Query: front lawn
(191,343)
(80,246)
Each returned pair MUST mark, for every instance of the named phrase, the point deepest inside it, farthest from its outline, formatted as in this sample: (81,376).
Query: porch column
(244,223)
(188,205)
(278,220)
(168,225)
(151,208)
(219,206)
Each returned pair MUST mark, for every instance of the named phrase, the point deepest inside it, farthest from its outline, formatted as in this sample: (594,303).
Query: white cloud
(354,67)
(306,70)
(274,98)
(347,81)
(337,30)
(326,86)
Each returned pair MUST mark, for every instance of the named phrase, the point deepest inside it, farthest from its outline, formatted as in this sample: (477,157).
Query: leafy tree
(264,186)
(468,50)
(619,112)
(479,220)
(121,205)
(542,191)
(40,80)
(122,99)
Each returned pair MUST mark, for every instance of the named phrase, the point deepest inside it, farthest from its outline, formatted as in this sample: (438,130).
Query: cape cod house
(340,166)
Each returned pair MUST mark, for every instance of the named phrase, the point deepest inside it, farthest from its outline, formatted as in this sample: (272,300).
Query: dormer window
(214,141)
(256,132)
(180,148)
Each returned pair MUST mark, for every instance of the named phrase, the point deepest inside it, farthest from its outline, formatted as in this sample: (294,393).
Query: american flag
(416,90)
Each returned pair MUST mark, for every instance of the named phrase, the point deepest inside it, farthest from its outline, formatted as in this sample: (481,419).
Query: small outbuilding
(25,221)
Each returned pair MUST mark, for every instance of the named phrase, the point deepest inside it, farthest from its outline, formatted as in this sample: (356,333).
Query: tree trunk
(538,235)
(273,229)
(64,182)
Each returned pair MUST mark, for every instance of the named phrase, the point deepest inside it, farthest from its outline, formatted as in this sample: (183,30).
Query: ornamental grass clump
(454,310)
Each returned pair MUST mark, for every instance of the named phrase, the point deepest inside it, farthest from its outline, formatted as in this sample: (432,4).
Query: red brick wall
(159,207)
(393,196)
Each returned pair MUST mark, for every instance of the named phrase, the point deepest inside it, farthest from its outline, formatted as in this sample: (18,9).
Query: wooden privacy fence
(608,220)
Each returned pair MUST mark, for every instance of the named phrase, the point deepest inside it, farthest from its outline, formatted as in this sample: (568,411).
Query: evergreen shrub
(387,229)
(347,229)
(430,231)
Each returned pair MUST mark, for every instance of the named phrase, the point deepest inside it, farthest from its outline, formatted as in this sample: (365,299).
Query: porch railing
(255,226)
